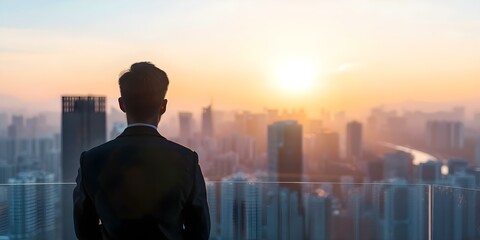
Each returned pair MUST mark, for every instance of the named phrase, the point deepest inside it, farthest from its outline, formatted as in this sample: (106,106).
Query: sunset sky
(355,54)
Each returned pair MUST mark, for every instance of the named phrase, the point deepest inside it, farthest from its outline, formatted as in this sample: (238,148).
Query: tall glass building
(83,127)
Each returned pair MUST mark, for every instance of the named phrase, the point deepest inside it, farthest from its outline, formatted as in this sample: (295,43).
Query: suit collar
(140,130)
(142,124)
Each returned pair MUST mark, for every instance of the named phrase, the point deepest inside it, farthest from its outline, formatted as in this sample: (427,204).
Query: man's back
(141,186)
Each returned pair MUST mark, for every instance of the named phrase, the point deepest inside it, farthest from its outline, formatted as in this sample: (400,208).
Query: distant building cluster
(401,205)
(29,144)
(274,174)
(228,142)
(33,158)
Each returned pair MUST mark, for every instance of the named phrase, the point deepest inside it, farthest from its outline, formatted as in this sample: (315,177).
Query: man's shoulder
(101,151)
(101,148)
(116,143)
(180,148)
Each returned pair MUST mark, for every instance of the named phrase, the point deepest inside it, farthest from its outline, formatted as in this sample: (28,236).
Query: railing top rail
(455,187)
(316,183)
(272,182)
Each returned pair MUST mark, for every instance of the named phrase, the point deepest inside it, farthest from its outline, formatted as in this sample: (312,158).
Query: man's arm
(85,216)
(197,216)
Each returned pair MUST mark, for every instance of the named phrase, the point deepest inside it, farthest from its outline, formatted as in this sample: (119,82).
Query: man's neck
(153,122)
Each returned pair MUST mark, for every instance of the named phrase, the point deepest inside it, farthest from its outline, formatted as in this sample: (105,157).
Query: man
(141,185)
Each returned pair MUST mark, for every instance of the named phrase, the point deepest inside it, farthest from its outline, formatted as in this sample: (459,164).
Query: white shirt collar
(142,124)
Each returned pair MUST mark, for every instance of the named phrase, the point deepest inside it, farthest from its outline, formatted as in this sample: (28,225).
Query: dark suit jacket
(140,186)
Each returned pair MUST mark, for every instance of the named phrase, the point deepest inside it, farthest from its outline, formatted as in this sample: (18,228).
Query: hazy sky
(362,53)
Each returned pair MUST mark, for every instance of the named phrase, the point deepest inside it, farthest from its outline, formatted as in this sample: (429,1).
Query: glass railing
(255,210)
(319,211)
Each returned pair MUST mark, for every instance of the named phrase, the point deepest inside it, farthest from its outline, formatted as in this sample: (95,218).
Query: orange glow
(369,54)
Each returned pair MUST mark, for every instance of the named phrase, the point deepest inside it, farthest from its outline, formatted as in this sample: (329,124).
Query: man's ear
(121,104)
(163,107)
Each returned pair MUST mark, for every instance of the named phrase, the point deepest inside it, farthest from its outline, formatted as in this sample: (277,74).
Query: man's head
(143,88)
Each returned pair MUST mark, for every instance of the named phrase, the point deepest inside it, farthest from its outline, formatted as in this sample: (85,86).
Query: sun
(295,76)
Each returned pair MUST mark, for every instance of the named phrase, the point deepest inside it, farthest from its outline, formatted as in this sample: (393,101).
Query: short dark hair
(143,88)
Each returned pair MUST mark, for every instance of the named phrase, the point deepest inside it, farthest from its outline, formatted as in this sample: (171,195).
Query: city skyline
(274,174)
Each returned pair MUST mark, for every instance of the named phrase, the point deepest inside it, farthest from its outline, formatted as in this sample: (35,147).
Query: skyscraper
(354,141)
(464,222)
(207,121)
(186,126)
(83,127)
(212,202)
(400,210)
(285,161)
(318,215)
(185,133)
(241,211)
(452,215)
(22,203)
